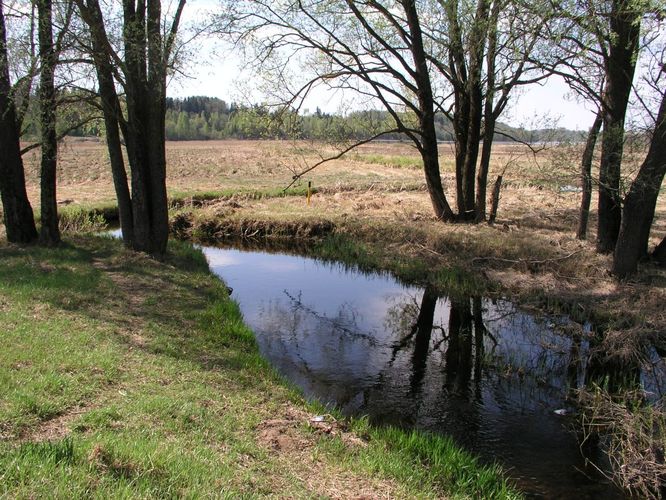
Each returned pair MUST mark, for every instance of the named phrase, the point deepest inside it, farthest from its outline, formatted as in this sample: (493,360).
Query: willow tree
(484,50)
(597,54)
(138,65)
(641,200)
(620,56)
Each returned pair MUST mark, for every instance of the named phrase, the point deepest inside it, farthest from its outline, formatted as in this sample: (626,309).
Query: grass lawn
(121,376)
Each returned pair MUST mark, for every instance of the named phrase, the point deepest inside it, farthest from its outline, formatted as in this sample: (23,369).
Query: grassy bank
(122,376)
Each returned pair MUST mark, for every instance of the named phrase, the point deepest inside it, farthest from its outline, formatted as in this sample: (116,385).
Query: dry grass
(636,440)
(376,194)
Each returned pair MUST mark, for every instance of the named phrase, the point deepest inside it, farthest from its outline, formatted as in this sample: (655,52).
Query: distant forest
(208,118)
(205,118)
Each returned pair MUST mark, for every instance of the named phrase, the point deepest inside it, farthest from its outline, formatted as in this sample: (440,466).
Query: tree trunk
(145,214)
(466,206)
(659,254)
(428,148)
(484,167)
(489,117)
(17,211)
(641,201)
(494,200)
(586,176)
(620,65)
(49,233)
(112,112)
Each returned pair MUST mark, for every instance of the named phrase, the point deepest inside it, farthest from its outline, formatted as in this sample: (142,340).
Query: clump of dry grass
(635,436)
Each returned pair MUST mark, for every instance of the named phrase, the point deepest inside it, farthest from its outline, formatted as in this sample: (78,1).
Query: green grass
(452,281)
(124,377)
(396,161)
(180,197)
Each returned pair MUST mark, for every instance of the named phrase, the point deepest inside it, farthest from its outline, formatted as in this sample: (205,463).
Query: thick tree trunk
(586,176)
(609,207)
(430,156)
(641,201)
(494,200)
(428,147)
(620,66)
(17,212)
(49,232)
(484,167)
(112,112)
(659,254)
(466,206)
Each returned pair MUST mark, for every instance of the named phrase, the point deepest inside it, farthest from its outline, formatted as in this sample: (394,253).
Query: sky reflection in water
(484,372)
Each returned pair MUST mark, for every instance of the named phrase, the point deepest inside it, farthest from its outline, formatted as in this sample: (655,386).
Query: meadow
(369,208)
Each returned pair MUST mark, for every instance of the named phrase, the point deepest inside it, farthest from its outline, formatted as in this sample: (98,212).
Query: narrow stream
(490,375)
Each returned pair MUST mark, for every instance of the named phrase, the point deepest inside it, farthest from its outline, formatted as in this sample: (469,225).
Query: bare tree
(376,50)
(484,50)
(620,55)
(595,48)
(415,58)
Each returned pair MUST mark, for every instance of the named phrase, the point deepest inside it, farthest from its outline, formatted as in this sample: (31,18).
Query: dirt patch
(292,438)
(56,428)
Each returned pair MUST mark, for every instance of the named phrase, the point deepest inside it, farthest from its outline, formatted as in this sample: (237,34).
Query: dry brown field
(382,180)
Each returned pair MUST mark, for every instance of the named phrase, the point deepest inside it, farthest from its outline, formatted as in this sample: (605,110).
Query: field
(373,209)
(539,187)
(377,193)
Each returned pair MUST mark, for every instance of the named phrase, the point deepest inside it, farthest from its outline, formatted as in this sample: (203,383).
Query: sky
(539,106)
(216,72)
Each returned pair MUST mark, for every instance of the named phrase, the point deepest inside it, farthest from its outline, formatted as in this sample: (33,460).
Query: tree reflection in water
(482,371)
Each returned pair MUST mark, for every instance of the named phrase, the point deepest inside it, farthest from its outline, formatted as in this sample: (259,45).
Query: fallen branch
(525,261)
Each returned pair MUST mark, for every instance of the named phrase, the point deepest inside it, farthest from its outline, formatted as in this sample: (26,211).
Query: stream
(492,376)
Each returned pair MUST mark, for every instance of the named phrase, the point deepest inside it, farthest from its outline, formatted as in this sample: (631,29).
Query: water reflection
(482,371)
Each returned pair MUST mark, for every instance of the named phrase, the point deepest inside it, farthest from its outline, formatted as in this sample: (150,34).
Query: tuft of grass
(395,161)
(76,219)
(635,436)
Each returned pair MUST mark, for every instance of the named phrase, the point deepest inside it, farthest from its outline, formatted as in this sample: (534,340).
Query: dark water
(484,372)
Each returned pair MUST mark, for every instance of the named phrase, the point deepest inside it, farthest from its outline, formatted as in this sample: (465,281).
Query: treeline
(207,118)
(210,118)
